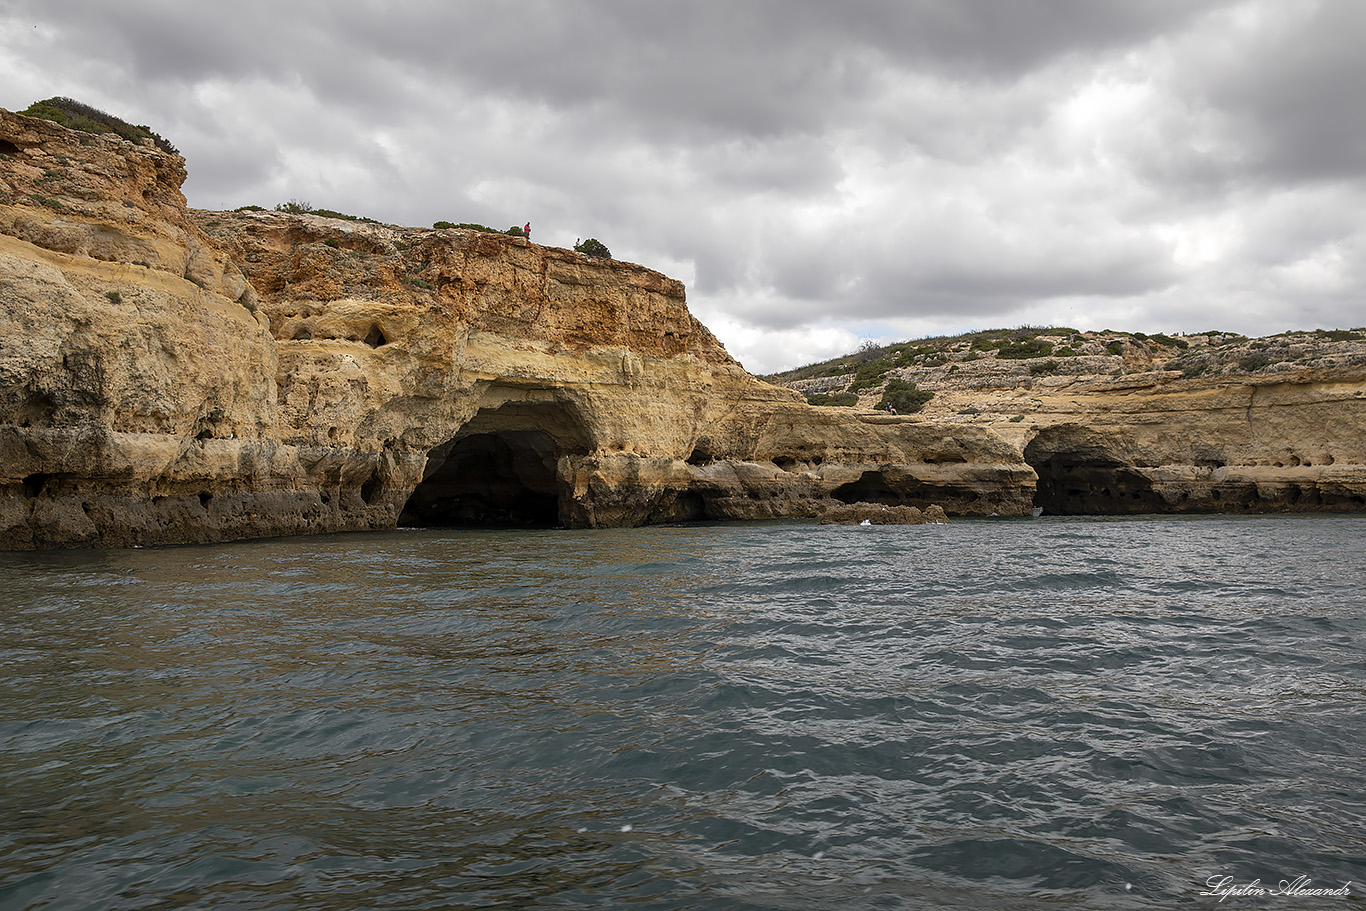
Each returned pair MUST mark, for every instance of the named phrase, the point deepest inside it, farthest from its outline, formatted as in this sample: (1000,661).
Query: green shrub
(77,116)
(514,231)
(294,207)
(467,226)
(1041,368)
(593,247)
(1169,341)
(114,297)
(869,375)
(300,207)
(1115,347)
(842,399)
(1066,351)
(1189,366)
(1339,335)
(249,209)
(1026,348)
(1257,361)
(333,243)
(905,397)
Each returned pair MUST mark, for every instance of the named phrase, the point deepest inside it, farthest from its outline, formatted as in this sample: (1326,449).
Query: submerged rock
(882,514)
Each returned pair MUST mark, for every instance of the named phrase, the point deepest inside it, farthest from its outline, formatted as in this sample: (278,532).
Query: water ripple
(1048,713)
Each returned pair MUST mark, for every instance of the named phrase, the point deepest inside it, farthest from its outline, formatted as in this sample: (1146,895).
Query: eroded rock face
(171,375)
(1121,424)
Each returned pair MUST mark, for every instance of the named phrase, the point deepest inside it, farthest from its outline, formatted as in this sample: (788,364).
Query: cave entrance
(899,488)
(871,487)
(1080,475)
(499,471)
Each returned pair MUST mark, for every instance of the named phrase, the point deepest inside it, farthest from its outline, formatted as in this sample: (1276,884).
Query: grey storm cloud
(815,171)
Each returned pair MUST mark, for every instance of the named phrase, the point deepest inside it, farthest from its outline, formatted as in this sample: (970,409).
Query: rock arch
(500,469)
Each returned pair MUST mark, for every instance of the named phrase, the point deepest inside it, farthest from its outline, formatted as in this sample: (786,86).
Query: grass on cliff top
(75,115)
(871,362)
(923,352)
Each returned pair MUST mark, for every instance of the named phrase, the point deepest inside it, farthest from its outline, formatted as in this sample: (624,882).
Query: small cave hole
(370,490)
(701,454)
(35,483)
(8,148)
(303,335)
(376,337)
(204,498)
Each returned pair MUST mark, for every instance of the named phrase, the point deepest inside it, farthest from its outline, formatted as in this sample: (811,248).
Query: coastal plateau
(172,375)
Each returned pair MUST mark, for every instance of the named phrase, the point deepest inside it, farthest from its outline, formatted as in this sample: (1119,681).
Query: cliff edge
(171,375)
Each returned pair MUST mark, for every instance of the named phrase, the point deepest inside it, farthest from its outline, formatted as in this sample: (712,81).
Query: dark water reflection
(1059,713)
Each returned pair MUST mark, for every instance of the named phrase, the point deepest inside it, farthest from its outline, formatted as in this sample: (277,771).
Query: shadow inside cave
(1080,475)
(499,471)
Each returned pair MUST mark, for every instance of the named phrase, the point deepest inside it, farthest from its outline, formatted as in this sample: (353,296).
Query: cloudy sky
(817,172)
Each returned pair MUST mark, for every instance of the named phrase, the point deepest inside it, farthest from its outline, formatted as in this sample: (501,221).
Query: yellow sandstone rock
(171,375)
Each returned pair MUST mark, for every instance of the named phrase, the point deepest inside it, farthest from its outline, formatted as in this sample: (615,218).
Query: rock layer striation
(171,375)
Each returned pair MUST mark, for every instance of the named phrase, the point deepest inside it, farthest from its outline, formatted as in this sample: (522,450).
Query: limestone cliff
(1117,422)
(169,375)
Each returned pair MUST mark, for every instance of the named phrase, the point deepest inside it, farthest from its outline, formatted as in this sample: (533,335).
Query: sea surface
(1049,713)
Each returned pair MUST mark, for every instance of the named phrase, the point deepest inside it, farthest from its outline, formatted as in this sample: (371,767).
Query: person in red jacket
(526,232)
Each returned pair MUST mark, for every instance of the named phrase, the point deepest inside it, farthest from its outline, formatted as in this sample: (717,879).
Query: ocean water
(1050,713)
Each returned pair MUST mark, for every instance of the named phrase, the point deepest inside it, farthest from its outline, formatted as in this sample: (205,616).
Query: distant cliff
(170,375)
(1120,422)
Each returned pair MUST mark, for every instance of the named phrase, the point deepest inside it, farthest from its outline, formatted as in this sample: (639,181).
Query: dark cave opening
(901,489)
(500,471)
(504,479)
(1079,476)
(871,487)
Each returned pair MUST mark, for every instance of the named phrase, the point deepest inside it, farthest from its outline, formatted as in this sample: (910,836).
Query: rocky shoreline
(171,375)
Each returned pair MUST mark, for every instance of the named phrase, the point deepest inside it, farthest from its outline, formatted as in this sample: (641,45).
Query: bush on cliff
(869,375)
(842,399)
(299,207)
(1025,348)
(905,397)
(593,247)
(74,115)
(466,226)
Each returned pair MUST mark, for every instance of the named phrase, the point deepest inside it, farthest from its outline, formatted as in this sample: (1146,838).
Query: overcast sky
(816,171)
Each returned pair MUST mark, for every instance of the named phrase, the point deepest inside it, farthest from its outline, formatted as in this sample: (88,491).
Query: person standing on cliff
(526,232)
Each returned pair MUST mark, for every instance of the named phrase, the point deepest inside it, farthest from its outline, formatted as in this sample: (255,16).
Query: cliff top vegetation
(992,357)
(75,115)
